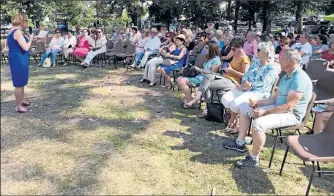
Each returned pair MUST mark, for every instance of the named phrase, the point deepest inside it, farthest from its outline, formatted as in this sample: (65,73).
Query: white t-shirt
(306,48)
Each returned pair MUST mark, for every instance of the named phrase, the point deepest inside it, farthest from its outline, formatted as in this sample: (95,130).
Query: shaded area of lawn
(97,131)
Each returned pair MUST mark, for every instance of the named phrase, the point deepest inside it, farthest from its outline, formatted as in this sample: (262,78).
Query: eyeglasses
(99,32)
(258,50)
(57,32)
(233,49)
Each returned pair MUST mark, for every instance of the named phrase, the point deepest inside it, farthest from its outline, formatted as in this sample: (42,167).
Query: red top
(327,56)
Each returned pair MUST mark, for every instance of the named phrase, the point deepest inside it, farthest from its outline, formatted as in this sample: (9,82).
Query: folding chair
(316,68)
(117,49)
(130,52)
(314,148)
(39,50)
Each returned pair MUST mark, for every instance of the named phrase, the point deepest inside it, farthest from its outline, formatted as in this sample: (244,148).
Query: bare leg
(184,86)
(19,96)
(259,138)
(320,121)
(244,125)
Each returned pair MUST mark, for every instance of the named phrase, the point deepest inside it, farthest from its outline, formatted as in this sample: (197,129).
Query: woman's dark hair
(58,29)
(70,31)
(203,34)
(135,29)
(237,43)
(285,40)
(182,40)
(171,35)
(323,39)
(213,50)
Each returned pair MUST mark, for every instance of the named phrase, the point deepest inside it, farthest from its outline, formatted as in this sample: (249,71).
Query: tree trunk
(265,15)
(299,18)
(229,11)
(236,16)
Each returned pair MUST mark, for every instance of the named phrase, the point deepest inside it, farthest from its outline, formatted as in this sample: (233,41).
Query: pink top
(250,48)
(280,53)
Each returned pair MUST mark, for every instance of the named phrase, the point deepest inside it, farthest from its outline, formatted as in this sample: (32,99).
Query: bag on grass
(215,111)
(47,63)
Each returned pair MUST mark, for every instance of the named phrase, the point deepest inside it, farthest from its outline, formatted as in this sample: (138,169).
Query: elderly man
(250,46)
(287,108)
(152,46)
(211,36)
(305,50)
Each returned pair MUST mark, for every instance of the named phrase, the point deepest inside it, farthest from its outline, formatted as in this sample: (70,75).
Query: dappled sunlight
(28,187)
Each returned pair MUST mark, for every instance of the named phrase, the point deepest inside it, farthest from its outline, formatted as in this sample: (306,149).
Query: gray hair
(330,43)
(292,55)
(269,49)
(252,33)
(219,34)
(210,31)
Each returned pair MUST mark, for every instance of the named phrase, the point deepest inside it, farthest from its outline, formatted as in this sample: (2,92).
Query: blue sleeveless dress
(179,64)
(18,60)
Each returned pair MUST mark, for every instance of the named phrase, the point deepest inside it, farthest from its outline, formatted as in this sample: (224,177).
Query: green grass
(89,132)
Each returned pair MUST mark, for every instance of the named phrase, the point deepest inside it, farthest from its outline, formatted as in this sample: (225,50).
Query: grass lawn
(97,131)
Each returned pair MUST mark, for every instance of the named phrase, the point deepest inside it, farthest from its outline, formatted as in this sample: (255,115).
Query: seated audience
(304,48)
(220,38)
(175,60)
(198,48)
(250,46)
(226,52)
(284,43)
(55,46)
(319,46)
(142,40)
(99,48)
(151,65)
(151,47)
(134,35)
(287,108)
(210,66)
(256,83)
(329,54)
(84,46)
(70,42)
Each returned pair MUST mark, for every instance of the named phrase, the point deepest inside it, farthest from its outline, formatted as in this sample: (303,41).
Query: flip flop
(19,110)
(26,103)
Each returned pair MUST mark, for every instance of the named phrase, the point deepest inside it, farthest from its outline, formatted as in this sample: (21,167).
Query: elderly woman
(256,83)
(199,47)
(329,54)
(319,45)
(210,66)
(54,48)
(98,48)
(176,60)
(250,46)
(151,65)
(220,38)
(232,76)
(84,46)
(69,43)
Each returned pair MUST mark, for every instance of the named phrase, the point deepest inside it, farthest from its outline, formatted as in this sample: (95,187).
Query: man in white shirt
(305,50)
(152,46)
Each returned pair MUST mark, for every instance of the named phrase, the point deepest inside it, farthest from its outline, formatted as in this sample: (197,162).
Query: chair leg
(311,179)
(274,147)
(285,154)
(250,126)
(280,134)
(318,165)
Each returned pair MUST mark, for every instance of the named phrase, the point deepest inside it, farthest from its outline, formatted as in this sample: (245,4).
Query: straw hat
(154,30)
(181,36)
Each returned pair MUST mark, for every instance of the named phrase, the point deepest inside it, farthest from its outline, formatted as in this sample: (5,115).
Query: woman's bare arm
(18,36)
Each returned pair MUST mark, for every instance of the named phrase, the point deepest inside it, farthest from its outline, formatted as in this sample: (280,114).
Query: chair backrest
(200,60)
(110,44)
(315,68)
(309,107)
(125,45)
(40,47)
(329,128)
(48,40)
(118,47)
(274,87)
(326,82)
(131,49)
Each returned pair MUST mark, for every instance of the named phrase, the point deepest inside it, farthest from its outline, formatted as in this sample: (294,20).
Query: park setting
(179,97)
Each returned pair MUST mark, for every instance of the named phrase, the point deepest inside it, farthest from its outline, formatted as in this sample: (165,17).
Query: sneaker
(248,162)
(232,145)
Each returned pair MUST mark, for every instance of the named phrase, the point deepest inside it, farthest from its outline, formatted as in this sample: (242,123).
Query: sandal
(26,103)
(203,114)
(21,110)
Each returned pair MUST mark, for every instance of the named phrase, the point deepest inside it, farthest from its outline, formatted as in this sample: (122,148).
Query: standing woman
(18,59)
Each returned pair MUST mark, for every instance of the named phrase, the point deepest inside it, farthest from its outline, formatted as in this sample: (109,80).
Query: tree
(236,15)
(248,11)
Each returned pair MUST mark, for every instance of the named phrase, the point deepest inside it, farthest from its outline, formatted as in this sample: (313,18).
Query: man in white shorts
(287,108)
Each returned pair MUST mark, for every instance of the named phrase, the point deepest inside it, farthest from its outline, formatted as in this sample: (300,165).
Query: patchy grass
(97,131)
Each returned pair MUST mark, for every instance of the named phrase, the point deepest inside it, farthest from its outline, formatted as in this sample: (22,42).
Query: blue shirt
(213,39)
(221,44)
(298,81)
(261,76)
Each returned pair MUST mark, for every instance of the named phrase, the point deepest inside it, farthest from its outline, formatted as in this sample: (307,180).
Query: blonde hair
(19,20)
(219,34)
(269,49)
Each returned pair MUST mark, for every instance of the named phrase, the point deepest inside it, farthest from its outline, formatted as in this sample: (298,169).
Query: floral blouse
(261,77)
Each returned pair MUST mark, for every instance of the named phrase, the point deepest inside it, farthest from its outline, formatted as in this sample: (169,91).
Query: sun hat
(181,36)
(154,30)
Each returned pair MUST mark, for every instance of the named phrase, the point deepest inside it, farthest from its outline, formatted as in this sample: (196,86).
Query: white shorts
(235,97)
(271,121)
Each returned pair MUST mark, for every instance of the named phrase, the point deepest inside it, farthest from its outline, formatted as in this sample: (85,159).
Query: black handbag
(215,111)
(189,71)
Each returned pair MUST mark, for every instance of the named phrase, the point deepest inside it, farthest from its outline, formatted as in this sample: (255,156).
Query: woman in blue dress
(18,59)
(178,59)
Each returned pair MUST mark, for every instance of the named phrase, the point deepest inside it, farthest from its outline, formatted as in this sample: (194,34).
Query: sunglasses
(283,45)
(99,32)
(258,50)
(57,32)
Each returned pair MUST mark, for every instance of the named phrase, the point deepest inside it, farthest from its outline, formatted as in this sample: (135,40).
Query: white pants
(151,69)
(67,51)
(235,97)
(145,58)
(271,121)
(91,54)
